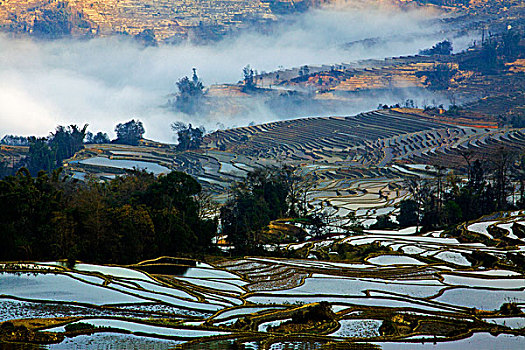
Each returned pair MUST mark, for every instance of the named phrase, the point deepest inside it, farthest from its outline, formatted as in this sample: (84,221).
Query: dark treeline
(495,51)
(128,219)
(441,48)
(495,183)
(48,153)
(139,216)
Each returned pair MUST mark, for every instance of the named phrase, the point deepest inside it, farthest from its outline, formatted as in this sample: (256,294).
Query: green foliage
(446,202)
(191,96)
(4,169)
(495,52)
(188,137)
(509,47)
(147,37)
(41,155)
(383,222)
(47,153)
(488,57)
(304,71)
(27,207)
(130,218)
(68,141)
(13,140)
(510,309)
(265,195)
(359,253)
(518,121)
(99,138)
(129,133)
(79,326)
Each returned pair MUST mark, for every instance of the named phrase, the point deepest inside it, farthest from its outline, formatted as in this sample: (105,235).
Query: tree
(519,175)
(249,83)
(4,169)
(501,164)
(304,70)
(188,137)
(129,133)
(13,140)
(510,44)
(47,153)
(383,222)
(41,156)
(133,217)
(253,203)
(488,57)
(27,207)
(54,23)
(99,138)
(67,141)
(191,95)
(439,77)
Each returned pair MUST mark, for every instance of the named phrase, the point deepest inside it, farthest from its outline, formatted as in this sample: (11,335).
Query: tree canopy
(248,79)
(188,136)
(98,138)
(130,218)
(129,133)
(438,77)
(191,95)
(265,195)
(47,153)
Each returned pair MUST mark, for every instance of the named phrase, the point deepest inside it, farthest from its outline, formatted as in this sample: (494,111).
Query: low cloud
(106,81)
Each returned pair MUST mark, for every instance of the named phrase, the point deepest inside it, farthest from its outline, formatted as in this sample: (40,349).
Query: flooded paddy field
(346,289)
(413,291)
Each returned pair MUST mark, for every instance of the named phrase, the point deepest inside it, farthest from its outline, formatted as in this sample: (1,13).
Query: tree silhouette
(191,95)
(129,133)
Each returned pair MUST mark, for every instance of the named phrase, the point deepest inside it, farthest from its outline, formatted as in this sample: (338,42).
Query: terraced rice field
(422,288)
(392,289)
(357,164)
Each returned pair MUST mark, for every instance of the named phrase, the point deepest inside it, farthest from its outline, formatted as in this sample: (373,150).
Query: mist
(106,81)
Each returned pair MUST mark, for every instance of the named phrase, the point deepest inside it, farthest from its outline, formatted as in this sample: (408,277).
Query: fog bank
(109,80)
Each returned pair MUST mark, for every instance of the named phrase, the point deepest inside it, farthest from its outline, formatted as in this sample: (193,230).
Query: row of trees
(48,153)
(139,216)
(130,218)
